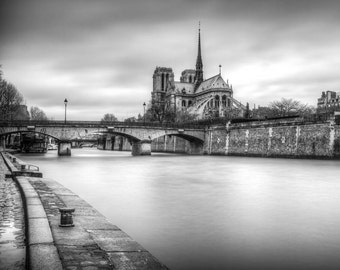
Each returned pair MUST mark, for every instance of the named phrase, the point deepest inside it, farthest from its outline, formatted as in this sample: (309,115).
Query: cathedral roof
(215,82)
(184,88)
(189,71)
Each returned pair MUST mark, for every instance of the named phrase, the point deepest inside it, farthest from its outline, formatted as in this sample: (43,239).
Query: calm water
(212,212)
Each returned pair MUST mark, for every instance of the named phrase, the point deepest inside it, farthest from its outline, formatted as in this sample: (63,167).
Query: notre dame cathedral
(206,98)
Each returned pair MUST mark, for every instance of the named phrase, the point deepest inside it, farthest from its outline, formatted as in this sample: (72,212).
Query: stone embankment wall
(275,139)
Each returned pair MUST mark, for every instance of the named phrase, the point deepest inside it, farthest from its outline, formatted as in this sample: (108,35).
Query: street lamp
(65,102)
(144,111)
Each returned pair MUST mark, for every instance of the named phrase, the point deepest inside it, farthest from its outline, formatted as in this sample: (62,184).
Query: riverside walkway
(12,225)
(93,242)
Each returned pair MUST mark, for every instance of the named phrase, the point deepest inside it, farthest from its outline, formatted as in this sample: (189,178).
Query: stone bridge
(139,134)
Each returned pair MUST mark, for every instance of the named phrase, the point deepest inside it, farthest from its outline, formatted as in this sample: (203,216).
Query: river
(212,212)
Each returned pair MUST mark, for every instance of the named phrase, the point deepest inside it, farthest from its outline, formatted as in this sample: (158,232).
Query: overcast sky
(101,55)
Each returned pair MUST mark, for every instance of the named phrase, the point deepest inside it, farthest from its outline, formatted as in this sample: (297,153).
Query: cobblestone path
(12,224)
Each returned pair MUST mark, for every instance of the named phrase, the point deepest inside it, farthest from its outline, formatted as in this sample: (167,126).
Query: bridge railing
(103,124)
(198,124)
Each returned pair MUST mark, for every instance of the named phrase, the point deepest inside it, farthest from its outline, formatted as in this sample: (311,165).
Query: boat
(52,146)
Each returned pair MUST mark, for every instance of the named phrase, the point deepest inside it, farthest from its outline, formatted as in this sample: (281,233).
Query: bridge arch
(139,146)
(130,137)
(187,137)
(64,147)
(196,144)
(29,131)
(141,142)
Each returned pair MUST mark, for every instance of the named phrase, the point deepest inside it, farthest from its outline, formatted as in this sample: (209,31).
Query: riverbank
(93,242)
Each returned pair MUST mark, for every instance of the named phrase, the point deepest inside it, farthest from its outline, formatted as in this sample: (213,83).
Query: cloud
(101,54)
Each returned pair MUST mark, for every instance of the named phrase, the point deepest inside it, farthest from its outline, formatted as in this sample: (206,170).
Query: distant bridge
(139,134)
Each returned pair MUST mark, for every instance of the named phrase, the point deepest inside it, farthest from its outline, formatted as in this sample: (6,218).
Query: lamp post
(65,102)
(144,112)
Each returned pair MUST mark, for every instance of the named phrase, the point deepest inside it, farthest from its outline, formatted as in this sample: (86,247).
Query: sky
(101,55)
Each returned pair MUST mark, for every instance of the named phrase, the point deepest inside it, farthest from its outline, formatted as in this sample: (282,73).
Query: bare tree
(161,112)
(286,107)
(109,117)
(283,107)
(10,100)
(37,114)
(130,119)
(166,112)
(262,112)
(156,112)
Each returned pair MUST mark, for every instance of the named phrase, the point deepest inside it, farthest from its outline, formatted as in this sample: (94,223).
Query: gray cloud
(101,54)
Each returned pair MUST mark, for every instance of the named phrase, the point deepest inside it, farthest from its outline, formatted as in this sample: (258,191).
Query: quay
(12,223)
(92,243)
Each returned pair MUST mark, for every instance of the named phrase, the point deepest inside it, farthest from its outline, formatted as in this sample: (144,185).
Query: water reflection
(203,212)
(12,249)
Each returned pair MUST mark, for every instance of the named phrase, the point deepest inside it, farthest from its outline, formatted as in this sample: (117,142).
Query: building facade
(212,97)
(329,102)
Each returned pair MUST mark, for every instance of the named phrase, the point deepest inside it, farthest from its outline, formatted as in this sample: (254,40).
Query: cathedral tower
(199,64)
(163,79)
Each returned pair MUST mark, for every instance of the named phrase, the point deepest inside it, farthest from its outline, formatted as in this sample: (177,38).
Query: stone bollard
(66,219)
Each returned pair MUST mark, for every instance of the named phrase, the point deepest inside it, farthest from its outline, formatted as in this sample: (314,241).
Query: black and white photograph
(169,134)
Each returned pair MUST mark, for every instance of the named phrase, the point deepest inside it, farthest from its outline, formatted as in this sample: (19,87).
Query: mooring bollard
(66,219)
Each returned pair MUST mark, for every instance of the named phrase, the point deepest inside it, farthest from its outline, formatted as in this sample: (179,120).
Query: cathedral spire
(199,64)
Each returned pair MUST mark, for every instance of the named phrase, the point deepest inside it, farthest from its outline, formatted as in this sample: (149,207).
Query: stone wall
(337,141)
(275,139)
(215,141)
